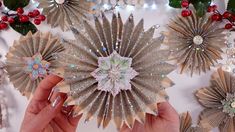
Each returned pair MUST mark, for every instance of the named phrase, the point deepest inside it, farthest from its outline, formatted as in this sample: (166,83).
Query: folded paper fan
(2,74)
(219,102)
(30,59)
(65,13)
(186,124)
(195,42)
(114,70)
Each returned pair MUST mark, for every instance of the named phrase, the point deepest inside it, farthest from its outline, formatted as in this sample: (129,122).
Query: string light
(130,8)
(106,6)
(146,5)
(154,6)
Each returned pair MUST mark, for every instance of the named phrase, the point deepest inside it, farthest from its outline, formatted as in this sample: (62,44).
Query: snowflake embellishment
(36,67)
(114,73)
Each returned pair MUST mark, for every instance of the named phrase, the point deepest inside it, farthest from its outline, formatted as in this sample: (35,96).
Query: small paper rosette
(66,13)
(186,124)
(114,70)
(30,59)
(219,102)
(196,43)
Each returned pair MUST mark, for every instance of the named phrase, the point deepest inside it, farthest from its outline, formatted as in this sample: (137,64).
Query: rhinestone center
(198,40)
(59,1)
(35,66)
(114,74)
(233,104)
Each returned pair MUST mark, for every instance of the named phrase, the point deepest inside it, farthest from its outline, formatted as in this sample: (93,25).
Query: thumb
(45,116)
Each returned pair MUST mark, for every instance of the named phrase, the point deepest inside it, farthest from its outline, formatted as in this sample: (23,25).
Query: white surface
(181,95)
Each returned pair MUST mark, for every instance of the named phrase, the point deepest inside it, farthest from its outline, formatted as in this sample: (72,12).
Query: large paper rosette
(195,42)
(219,102)
(114,71)
(64,13)
(30,59)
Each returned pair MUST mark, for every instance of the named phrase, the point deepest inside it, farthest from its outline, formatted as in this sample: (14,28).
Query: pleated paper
(30,59)
(66,13)
(114,70)
(196,42)
(186,124)
(219,102)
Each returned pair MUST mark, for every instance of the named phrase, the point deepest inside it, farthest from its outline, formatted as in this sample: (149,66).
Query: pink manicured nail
(56,101)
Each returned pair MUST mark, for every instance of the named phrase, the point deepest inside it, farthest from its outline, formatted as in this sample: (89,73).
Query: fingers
(167,112)
(44,88)
(125,128)
(43,118)
(74,120)
(138,127)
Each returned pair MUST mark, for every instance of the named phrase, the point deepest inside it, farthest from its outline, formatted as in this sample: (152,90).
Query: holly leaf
(231,6)
(201,6)
(23,28)
(14,4)
(175,3)
(200,9)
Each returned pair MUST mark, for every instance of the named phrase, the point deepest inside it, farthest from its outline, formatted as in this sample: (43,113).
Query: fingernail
(56,101)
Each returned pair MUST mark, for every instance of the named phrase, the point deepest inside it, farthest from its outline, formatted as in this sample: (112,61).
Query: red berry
(36,13)
(227,14)
(4,18)
(42,17)
(214,7)
(216,17)
(185,13)
(228,26)
(31,14)
(24,18)
(37,21)
(20,10)
(184,3)
(210,9)
(11,20)
(3,25)
(233,18)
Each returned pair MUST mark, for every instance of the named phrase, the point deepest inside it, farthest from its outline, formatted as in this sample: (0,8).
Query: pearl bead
(197,40)
(233,104)
(59,1)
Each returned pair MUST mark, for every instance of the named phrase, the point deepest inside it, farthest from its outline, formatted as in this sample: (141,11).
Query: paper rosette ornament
(30,59)
(65,13)
(186,124)
(219,102)
(195,42)
(114,70)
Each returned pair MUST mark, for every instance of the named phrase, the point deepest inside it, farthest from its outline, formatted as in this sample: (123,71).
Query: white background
(181,95)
